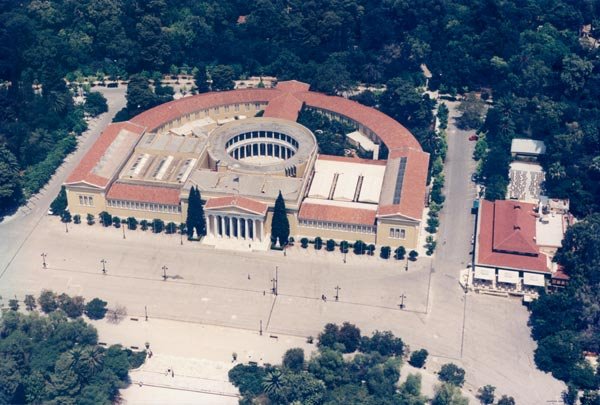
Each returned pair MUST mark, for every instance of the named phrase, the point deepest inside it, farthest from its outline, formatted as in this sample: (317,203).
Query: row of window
(262,134)
(336,226)
(135,205)
(398,233)
(86,200)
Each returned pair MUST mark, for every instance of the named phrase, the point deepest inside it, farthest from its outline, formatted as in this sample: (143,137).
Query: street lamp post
(275,281)
(66,227)
(164,269)
(123,231)
(260,330)
(402,301)
(337,292)
(103,261)
(406,267)
(44,260)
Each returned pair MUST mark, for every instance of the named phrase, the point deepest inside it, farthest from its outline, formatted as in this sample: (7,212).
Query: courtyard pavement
(488,336)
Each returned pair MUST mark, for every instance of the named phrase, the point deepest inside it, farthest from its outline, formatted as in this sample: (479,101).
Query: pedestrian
(264,292)
(248,276)
(172,373)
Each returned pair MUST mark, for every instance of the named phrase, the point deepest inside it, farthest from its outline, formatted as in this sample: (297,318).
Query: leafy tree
(29,302)
(304,243)
(301,387)
(66,217)
(318,243)
(48,301)
(280,226)
(248,379)
(506,400)
(452,374)
(201,79)
(344,246)
(132,223)
(223,77)
(472,108)
(90,219)
(349,336)
(72,306)
(171,228)
(272,384)
(382,342)
(442,115)
(13,304)
(329,336)
(95,309)
(158,225)
(486,394)
(95,103)
(413,254)
(418,358)
(448,394)
(359,247)
(105,218)
(77,219)
(293,359)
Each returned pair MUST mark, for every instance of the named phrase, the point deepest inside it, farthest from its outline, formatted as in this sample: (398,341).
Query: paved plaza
(488,336)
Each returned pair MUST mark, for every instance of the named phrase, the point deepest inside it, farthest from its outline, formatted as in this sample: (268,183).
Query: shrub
(116,222)
(90,219)
(418,358)
(157,225)
(400,252)
(359,247)
(144,224)
(452,374)
(385,252)
(304,243)
(66,216)
(171,228)
(318,243)
(344,246)
(132,223)
(330,245)
(105,218)
(413,254)
(370,249)
(95,309)
(95,104)
(77,218)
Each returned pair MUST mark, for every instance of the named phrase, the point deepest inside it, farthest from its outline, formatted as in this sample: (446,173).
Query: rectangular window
(80,200)
(247,106)
(91,201)
(237,107)
(257,106)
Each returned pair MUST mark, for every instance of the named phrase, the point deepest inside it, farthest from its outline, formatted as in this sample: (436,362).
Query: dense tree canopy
(51,359)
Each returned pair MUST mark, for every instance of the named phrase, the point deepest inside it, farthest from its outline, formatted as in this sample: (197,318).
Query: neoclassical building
(145,167)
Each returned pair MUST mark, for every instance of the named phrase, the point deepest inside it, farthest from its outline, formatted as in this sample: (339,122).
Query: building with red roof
(145,168)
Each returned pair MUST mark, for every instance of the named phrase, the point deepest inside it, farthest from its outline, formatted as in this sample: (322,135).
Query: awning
(534,279)
(485,273)
(507,276)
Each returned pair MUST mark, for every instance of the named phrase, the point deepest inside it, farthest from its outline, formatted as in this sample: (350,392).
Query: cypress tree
(195,215)
(201,224)
(280,226)
(191,213)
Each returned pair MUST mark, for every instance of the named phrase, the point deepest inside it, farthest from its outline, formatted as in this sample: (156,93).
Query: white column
(214,225)
(222,226)
(245,221)
(253,229)
(261,224)
(230,222)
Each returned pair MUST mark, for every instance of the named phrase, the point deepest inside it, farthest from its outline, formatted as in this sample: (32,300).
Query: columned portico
(235,226)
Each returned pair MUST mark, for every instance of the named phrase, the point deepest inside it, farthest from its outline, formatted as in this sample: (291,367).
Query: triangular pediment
(397,217)
(231,210)
(83,184)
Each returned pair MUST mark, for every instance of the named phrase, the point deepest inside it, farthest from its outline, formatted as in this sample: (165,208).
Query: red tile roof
(245,203)
(334,213)
(488,255)
(351,159)
(143,193)
(164,113)
(514,227)
(83,171)
(414,189)
(284,106)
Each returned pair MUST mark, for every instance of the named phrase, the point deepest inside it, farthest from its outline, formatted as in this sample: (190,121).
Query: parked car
(473,138)
(474,177)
